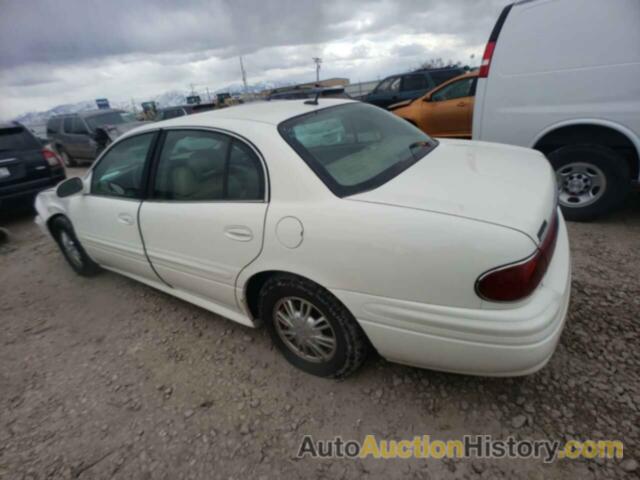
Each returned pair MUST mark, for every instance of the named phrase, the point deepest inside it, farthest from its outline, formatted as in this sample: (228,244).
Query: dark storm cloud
(46,31)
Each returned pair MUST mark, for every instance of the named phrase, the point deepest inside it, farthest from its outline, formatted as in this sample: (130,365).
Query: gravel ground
(107,378)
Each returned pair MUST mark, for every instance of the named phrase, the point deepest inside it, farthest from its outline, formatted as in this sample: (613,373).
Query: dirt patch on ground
(107,378)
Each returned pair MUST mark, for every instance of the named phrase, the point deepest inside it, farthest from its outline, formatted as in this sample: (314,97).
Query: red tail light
(52,159)
(486,60)
(518,280)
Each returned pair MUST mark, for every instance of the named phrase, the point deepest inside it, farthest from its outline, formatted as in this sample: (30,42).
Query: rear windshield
(110,118)
(356,146)
(17,138)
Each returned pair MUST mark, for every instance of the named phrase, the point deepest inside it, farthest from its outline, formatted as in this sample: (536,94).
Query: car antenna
(314,101)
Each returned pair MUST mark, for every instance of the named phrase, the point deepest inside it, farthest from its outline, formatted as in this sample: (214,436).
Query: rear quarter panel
(388,251)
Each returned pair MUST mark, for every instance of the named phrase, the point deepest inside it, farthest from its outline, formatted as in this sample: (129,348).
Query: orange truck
(445,111)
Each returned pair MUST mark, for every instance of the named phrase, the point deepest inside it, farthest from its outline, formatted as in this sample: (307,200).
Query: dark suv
(408,86)
(81,136)
(26,167)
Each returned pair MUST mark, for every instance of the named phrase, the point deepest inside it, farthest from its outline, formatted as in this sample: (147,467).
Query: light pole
(317,61)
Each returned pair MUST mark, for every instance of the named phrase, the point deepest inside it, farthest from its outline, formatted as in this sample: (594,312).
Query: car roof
(425,70)
(261,111)
(86,113)
(93,113)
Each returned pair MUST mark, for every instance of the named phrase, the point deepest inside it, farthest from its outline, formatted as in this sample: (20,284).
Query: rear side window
(207,166)
(443,76)
(17,138)
(414,82)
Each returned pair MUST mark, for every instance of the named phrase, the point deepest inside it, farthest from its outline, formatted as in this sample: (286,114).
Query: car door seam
(144,247)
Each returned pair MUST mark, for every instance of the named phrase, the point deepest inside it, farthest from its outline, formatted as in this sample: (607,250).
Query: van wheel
(67,159)
(592,180)
(72,249)
(311,328)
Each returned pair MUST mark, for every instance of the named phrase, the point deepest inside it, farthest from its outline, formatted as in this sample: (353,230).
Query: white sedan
(338,226)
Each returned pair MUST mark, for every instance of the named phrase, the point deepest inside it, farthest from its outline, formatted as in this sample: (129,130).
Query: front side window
(384,85)
(395,85)
(355,147)
(460,89)
(53,125)
(120,172)
(196,165)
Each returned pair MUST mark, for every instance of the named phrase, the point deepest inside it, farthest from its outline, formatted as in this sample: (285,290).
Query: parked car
(447,255)
(182,110)
(300,93)
(446,111)
(408,86)
(562,77)
(81,136)
(26,166)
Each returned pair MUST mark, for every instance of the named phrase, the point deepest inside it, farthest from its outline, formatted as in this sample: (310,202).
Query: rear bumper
(29,189)
(489,342)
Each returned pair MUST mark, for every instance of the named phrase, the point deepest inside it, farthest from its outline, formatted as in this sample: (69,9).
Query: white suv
(562,76)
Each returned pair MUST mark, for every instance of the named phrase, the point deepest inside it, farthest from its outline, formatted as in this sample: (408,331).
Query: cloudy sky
(63,51)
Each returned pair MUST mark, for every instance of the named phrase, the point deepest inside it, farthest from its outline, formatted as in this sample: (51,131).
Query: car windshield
(109,118)
(355,147)
(17,138)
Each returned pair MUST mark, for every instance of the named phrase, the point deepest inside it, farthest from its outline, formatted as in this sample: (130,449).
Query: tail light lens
(516,281)
(51,157)
(486,60)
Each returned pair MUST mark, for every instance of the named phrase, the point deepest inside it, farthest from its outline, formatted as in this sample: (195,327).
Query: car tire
(350,345)
(72,249)
(67,159)
(592,180)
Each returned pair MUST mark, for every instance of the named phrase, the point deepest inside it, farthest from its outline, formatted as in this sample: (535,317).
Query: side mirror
(69,187)
(426,98)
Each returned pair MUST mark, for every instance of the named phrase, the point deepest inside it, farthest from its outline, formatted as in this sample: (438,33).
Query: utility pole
(208,95)
(317,61)
(244,76)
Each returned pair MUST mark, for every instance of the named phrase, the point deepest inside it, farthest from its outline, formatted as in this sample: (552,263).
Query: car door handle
(461,104)
(238,233)
(125,218)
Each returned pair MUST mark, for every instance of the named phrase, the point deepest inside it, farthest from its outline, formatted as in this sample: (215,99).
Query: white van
(563,77)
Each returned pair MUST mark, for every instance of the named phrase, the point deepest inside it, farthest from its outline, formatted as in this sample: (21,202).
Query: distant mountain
(166,99)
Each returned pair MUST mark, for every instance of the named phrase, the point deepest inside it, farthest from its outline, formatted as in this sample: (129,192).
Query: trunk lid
(505,185)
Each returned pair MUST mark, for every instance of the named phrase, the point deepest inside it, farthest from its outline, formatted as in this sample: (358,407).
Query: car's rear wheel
(592,180)
(67,159)
(311,328)
(72,249)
